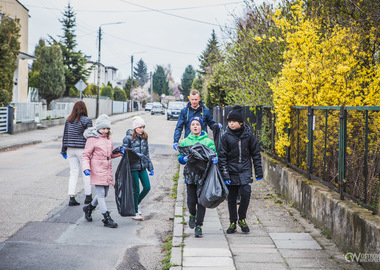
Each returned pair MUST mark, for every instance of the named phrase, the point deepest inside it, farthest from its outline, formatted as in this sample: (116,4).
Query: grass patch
(175,186)
(168,255)
(326,234)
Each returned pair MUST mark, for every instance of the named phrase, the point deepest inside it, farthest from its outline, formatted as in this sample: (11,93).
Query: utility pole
(99,52)
(151,87)
(98,90)
(133,105)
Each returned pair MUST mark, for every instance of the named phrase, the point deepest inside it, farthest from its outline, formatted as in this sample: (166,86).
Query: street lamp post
(133,105)
(99,53)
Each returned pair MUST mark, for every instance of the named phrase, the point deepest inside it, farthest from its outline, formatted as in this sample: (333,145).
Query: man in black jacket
(238,149)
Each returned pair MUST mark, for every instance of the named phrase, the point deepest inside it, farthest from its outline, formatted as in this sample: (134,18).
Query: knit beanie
(137,121)
(196,118)
(103,121)
(236,114)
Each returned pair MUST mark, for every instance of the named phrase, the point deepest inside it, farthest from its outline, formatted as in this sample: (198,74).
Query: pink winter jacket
(97,157)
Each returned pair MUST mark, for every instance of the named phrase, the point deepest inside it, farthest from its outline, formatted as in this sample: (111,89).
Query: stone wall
(353,228)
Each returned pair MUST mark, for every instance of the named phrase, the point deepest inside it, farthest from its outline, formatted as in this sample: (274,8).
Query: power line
(152,47)
(141,10)
(170,14)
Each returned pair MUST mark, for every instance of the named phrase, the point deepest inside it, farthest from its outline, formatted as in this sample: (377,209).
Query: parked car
(157,108)
(148,106)
(174,109)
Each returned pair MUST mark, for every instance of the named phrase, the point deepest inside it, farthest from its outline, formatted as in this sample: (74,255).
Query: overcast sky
(164,32)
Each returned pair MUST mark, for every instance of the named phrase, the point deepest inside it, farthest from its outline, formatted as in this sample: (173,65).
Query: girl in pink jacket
(96,160)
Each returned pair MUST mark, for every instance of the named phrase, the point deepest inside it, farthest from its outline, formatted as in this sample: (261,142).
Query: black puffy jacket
(236,155)
(139,146)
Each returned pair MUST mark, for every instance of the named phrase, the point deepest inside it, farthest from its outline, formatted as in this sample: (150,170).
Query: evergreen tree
(127,86)
(35,73)
(74,61)
(198,82)
(37,53)
(210,56)
(141,73)
(52,79)
(119,95)
(9,50)
(187,80)
(106,91)
(160,83)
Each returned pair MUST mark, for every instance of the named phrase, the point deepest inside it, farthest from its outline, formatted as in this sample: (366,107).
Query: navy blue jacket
(186,114)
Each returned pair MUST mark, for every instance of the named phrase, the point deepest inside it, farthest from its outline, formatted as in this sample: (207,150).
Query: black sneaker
(232,228)
(243,225)
(192,222)
(198,231)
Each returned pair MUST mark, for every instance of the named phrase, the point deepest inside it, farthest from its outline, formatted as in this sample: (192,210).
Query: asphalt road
(38,230)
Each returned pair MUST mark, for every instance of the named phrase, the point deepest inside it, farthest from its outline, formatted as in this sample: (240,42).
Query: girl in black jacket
(238,149)
(137,140)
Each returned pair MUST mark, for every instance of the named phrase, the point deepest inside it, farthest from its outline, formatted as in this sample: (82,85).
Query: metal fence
(338,146)
(3,119)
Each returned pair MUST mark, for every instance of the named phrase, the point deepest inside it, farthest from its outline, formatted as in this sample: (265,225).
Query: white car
(148,106)
(157,108)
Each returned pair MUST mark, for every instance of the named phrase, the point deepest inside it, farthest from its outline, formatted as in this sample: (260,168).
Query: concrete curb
(177,242)
(11,147)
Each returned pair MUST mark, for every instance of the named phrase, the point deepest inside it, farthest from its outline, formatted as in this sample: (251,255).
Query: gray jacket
(139,146)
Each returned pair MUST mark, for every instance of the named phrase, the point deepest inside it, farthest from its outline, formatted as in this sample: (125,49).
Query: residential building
(14,9)
(107,74)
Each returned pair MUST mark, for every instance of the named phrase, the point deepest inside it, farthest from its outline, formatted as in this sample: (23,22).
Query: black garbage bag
(214,190)
(124,185)
(217,135)
(199,159)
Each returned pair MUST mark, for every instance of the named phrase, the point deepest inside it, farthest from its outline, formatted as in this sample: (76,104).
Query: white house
(107,74)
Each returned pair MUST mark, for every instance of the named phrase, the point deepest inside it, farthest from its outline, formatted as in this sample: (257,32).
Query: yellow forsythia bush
(320,69)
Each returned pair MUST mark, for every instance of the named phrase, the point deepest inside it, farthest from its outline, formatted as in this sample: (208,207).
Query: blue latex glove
(215,160)
(182,160)
(87,172)
(227,182)
(220,125)
(64,156)
(122,150)
(151,172)
(258,178)
(175,145)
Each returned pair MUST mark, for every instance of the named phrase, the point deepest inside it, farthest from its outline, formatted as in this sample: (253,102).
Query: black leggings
(245,192)
(194,207)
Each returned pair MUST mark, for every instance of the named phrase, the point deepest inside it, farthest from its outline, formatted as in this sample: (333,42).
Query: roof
(111,67)
(22,5)
(26,56)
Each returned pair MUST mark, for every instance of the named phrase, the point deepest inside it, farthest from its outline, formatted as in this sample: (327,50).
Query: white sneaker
(138,217)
